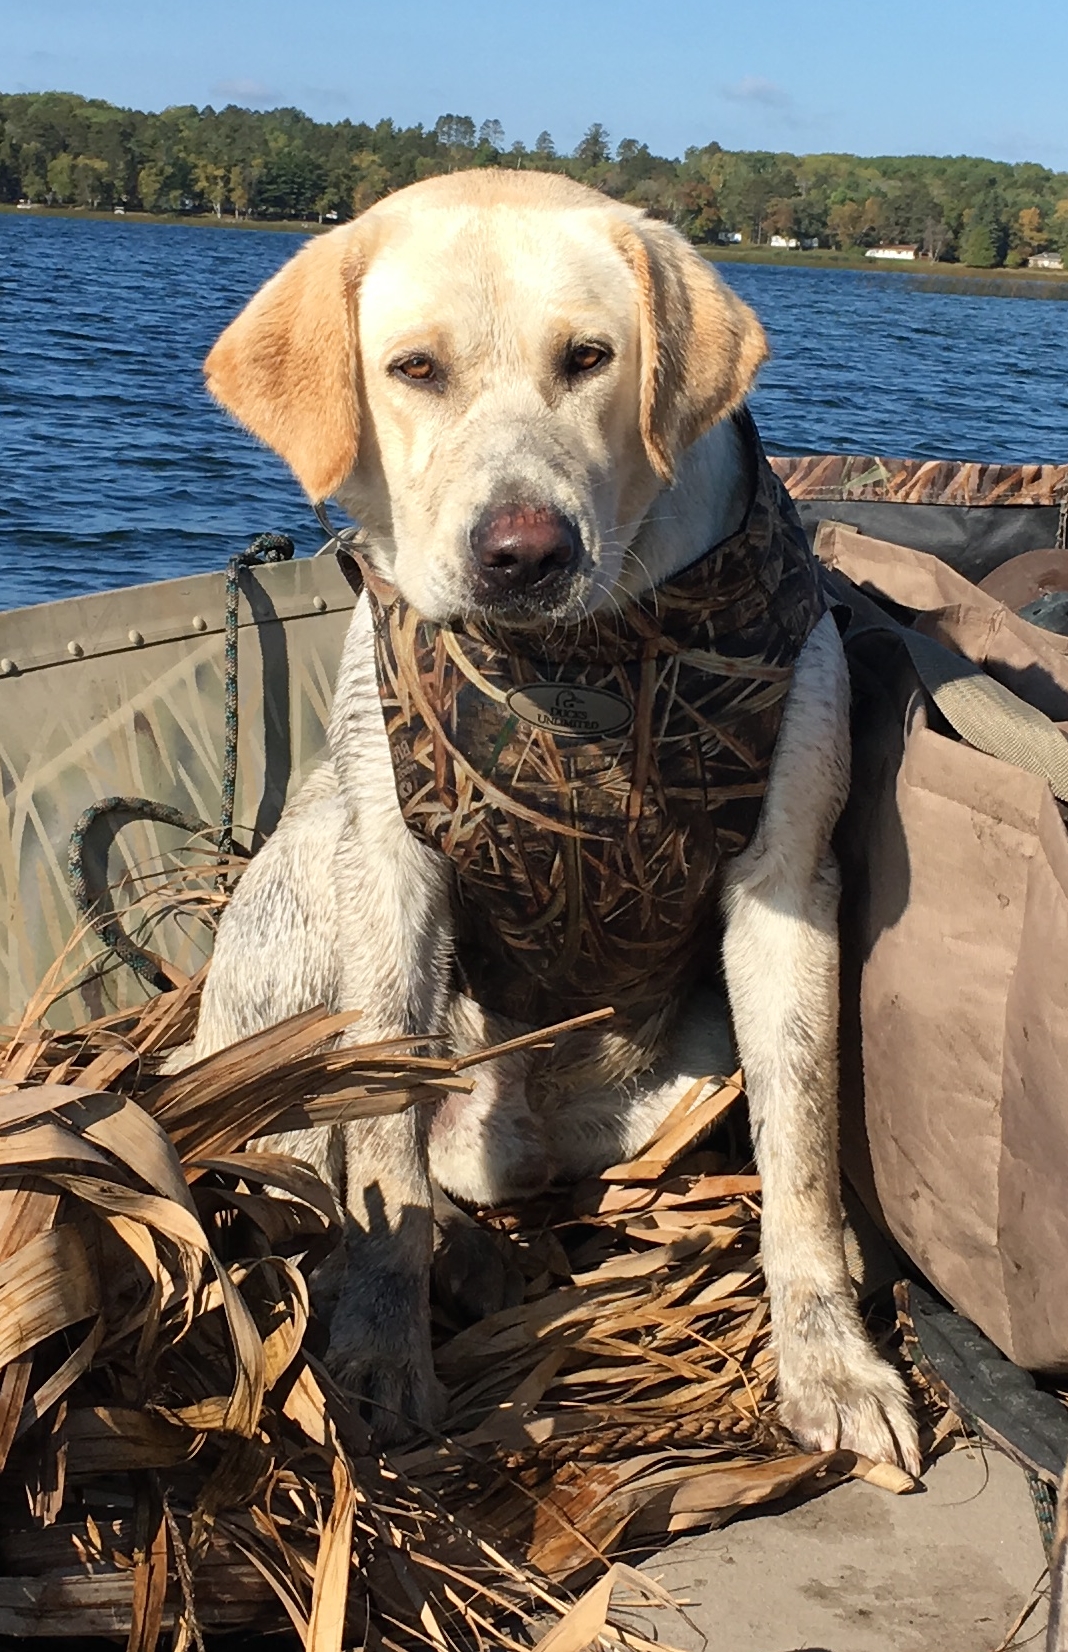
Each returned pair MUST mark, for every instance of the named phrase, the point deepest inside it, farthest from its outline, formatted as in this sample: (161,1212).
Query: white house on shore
(1046,261)
(892,252)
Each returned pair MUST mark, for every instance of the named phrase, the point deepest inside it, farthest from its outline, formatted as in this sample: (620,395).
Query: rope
(1044,1503)
(109,929)
(267,547)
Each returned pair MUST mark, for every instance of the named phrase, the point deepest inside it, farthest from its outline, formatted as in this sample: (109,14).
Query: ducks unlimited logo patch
(570,709)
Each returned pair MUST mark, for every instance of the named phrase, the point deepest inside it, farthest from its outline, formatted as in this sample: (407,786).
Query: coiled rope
(267,547)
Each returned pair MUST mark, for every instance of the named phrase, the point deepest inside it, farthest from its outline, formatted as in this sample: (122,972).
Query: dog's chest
(586,795)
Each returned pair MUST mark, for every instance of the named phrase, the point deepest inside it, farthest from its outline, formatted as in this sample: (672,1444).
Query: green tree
(91,183)
(240,186)
(780,216)
(373,180)
(544,146)
(844,221)
(209,181)
(60,177)
(491,135)
(592,148)
(456,131)
(698,213)
(1030,231)
(937,238)
(151,181)
(978,247)
(1058,229)
(33,171)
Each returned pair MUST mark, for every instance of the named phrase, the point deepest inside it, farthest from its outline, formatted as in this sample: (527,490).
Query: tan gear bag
(955,938)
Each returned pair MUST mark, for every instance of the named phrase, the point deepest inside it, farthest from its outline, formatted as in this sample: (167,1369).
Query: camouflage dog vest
(587,785)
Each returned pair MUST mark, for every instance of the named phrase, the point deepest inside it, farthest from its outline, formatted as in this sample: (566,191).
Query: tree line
(60,149)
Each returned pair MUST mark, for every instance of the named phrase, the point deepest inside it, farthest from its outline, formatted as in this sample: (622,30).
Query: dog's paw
(380,1354)
(475,1271)
(838,1393)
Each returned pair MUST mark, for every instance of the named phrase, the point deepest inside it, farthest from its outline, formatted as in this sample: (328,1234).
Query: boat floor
(950,1567)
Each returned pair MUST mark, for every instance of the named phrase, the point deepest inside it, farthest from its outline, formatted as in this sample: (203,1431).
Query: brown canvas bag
(955,939)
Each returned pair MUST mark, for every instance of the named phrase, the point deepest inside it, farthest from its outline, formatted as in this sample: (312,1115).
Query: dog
(531,398)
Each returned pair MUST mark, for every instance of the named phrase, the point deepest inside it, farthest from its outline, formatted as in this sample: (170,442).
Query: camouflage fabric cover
(587,795)
(837,476)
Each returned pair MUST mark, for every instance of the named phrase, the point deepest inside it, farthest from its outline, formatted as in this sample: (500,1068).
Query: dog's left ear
(700,345)
(288,367)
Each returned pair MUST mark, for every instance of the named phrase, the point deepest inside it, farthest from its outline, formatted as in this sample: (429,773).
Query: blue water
(116,468)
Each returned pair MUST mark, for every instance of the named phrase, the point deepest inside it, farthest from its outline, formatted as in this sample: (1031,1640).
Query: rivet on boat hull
(6,667)
(199,623)
(75,650)
(319,605)
(136,638)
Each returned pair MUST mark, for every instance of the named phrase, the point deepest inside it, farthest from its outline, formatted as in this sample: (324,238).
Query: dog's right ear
(288,367)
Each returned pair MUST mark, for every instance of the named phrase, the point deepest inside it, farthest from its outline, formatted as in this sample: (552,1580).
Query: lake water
(117,469)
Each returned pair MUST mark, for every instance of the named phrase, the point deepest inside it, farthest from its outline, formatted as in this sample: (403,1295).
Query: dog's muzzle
(524,557)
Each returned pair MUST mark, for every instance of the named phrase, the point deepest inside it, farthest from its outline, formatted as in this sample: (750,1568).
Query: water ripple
(118,469)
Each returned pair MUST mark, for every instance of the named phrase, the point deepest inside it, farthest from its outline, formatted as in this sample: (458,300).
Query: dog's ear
(288,367)
(700,345)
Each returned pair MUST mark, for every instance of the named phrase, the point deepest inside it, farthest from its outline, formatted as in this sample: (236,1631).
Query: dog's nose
(519,548)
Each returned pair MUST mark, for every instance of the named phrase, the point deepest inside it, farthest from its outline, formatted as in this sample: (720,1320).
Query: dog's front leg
(392,896)
(394,920)
(781,958)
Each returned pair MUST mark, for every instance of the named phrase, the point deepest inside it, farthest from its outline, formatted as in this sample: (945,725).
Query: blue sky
(920,76)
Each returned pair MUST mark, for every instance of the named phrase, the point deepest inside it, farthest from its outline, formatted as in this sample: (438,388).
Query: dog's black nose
(518,549)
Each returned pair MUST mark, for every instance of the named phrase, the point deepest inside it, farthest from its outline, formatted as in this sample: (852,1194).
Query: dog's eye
(583,358)
(418,369)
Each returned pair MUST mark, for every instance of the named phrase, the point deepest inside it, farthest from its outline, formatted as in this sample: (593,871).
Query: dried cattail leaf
(326,1625)
(45,1286)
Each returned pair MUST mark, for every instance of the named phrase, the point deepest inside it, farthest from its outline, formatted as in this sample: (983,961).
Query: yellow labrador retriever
(583,593)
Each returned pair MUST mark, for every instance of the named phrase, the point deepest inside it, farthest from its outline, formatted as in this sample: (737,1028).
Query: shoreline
(831,258)
(933,276)
(192,220)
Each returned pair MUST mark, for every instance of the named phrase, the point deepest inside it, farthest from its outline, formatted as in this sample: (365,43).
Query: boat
(117,751)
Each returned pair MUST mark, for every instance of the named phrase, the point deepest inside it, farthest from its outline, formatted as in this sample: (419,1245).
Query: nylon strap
(976,706)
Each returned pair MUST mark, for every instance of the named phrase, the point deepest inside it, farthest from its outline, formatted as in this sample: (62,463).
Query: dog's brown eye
(419,369)
(583,358)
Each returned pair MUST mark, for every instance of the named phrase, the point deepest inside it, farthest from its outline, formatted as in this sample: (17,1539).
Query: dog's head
(495,373)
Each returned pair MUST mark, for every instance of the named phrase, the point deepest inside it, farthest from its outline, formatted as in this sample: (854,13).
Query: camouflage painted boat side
(920,481)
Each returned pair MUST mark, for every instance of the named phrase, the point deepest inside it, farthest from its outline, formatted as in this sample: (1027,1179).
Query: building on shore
(893,252)
(1046,261)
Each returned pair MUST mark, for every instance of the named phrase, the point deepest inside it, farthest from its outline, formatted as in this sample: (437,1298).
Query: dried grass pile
(173,1454)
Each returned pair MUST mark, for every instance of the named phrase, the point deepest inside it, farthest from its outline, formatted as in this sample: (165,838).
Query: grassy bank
(832,258)
(963,279)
